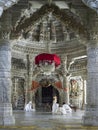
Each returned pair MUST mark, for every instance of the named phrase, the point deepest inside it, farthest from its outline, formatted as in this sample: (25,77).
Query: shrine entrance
(44,98)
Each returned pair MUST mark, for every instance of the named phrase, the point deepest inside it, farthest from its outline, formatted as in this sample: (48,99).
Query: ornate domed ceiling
(49,26)
(53,14)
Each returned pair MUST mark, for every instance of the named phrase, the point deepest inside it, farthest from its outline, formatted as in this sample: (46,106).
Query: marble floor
(48,121)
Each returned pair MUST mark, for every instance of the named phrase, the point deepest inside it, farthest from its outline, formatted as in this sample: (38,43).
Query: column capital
(5,34)
(93,43)
(93,35)
(5,25)
(5,45)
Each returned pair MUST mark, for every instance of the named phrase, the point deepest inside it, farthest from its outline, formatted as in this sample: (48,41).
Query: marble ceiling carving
(65,16)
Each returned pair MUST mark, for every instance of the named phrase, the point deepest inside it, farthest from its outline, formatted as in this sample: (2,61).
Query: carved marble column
(28,80)
(91,111)
(66,90)
(6,115)
(65,81)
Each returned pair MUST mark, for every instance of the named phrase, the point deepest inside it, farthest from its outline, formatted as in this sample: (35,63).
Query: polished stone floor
(48,121)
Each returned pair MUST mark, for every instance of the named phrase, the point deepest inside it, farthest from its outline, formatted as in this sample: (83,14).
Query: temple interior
(49,48)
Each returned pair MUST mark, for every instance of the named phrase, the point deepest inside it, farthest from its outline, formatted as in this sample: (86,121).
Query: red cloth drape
(34,85)
(48,57)
(59,85)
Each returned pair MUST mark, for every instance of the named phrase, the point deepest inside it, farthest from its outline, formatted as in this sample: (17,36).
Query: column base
(6,115)
(91,116)
(90,120)
(7,120)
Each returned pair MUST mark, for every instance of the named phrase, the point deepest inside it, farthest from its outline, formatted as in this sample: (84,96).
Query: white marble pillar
(6,115)
(65,80)
(91,111)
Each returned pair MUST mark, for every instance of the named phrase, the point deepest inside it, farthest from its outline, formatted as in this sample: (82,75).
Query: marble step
(43,128)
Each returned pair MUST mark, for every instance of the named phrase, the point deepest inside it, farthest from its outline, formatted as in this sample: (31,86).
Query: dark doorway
(46,94)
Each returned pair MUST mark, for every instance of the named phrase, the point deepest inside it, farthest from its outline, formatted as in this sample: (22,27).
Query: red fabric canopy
(50,58)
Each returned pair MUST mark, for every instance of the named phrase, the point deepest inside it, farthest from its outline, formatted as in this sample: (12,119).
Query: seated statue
(28,107)
(66,108)
(55,107)
(62,110)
